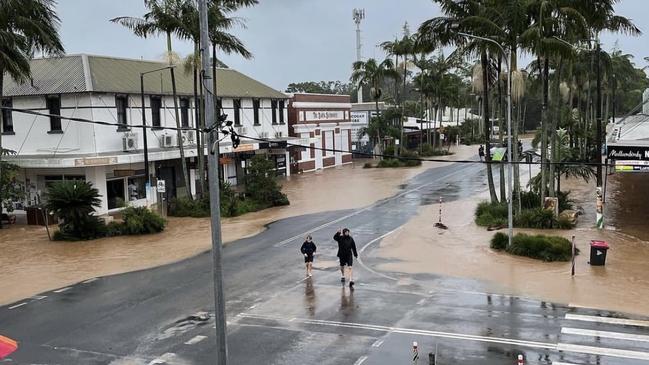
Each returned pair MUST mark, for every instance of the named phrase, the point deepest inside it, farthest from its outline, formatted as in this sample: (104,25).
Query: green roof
(86,73)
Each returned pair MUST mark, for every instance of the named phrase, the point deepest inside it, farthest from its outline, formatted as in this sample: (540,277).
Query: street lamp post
(144,131)
(510,211)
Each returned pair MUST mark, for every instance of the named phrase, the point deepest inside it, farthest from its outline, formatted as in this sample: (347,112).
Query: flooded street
(463,251)
(627,198)
(30,264)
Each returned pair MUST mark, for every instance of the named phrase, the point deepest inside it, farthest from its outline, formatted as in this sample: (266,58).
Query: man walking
(481,152)
(346,248)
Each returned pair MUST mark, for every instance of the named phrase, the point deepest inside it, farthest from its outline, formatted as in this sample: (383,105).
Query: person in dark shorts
(481,152)
(308,250)
(346,248)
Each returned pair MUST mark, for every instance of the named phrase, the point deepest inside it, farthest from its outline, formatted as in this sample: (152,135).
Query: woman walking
(308,250)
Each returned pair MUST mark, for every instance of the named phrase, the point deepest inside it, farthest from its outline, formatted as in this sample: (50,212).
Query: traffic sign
(161,186)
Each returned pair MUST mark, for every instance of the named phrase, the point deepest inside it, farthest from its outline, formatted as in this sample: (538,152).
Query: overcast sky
(292,40)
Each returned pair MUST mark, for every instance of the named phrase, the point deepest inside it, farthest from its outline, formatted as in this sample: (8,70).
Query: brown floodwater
(627,205)
(463,251)
(30,264)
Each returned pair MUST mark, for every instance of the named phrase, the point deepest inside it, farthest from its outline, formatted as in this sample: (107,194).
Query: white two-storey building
(107,89)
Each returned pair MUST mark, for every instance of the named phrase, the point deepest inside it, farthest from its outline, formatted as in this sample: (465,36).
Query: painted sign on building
(359,117)
(325,115)
(636,153)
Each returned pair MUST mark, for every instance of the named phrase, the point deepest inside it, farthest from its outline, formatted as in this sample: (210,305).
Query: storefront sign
(359,117)
(225,160)
(95,161)
(631,166)
(275,151)
(123,173)
(325,115)
(241,148)
(635,153)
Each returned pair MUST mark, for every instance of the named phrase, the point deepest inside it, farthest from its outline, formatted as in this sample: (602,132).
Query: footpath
(30,263)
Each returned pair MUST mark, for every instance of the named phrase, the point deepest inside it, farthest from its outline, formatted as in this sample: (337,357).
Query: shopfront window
(115,193)
(136,188)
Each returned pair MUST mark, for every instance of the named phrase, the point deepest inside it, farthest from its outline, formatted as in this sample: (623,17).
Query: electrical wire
(233,133)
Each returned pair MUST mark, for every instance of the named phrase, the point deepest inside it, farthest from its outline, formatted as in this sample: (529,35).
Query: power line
(369,155)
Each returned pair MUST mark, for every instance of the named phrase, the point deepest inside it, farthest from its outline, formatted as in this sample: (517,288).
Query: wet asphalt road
(162,315)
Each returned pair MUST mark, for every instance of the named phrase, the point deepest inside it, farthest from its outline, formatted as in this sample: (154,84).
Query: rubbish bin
(598,252)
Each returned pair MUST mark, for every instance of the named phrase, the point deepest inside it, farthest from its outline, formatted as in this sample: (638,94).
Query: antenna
(358,15)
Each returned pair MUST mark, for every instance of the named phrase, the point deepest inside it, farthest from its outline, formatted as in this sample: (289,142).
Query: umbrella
(7,346)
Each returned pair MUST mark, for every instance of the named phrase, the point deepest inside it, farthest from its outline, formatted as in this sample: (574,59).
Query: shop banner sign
(635,153)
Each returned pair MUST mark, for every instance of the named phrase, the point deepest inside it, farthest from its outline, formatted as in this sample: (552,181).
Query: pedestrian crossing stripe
(605,334)
(608,320)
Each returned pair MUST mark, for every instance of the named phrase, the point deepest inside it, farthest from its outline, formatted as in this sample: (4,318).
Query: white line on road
(413,331)
(164,359)
(609,320)
(17,305)
(421,301)
(562,363)
(360,360)
(39,297)
(195,340)
(360,261)
(62,289)
(377,343)
(605,334)
(603,351)
(89,281)
(325,225)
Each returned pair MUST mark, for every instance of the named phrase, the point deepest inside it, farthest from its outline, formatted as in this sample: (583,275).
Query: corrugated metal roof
(118,75)
(50,76)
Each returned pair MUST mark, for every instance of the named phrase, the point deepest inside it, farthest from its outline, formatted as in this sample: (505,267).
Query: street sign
(161,186)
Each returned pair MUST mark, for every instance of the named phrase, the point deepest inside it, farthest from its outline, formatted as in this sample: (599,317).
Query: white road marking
(413,331)
(292,319)
(421,301)
(603,351)
(377,343)
(17,305)
(562,363)
(89,281)
(605,334)
(325,225)
(253,306)
(39,297)
(360,360)
(360,261)
(62,289)
(609,320)
(195,340)
(163,359)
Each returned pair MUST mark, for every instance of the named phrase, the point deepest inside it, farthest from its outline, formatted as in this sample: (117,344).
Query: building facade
(322,124)
(95,88)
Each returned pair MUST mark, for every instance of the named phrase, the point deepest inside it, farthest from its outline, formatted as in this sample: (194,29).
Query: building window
(255,110)
(237,111)
(273,107)
(156,104)
(54,108)
(121,103)
(184,112)
(281,112)
(7,121)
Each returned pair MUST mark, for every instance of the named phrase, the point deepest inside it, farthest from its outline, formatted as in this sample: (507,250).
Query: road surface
(163,315)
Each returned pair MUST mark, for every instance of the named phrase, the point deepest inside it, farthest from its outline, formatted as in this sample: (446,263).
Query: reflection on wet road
(273,318)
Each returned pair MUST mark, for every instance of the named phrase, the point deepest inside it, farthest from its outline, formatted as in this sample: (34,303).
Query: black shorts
(346,260)
(308,258)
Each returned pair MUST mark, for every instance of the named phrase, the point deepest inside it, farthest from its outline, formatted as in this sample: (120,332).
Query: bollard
(415,353)
(431,358)
(520,360)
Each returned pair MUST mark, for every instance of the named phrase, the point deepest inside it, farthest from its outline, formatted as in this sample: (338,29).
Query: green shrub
(546,248)
(186,207)
(389,163)
(140,220)
(491,214)
(114,229)
(74,203)
(388,153)
(247,206)
(368,165)
(409,158)
(261,185)
(535,218)
(532,200)
(499,241)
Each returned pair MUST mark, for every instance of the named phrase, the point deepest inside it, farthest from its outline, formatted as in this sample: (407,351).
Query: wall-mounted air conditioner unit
(263,135)
(189,137)
(279,134)
(167,141)
(129,142)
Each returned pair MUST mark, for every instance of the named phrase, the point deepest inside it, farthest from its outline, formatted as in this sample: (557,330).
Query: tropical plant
(141,220)
(26,26)
(74,203)
(11,189)
(261,183)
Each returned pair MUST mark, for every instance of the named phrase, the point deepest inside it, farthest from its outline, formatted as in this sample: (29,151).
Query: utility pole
(358,15)
(599,114)
(213,180)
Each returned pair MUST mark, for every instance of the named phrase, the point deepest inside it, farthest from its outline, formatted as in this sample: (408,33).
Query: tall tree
(373,73)
(25,26)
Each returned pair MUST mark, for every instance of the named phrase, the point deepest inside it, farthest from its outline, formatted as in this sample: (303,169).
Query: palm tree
(25,26)
(473,17)
(163,17)
(74,202)
(374,74)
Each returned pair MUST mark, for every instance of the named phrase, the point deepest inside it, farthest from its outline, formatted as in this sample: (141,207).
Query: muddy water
(463,251)
(628,204)
(30,264)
